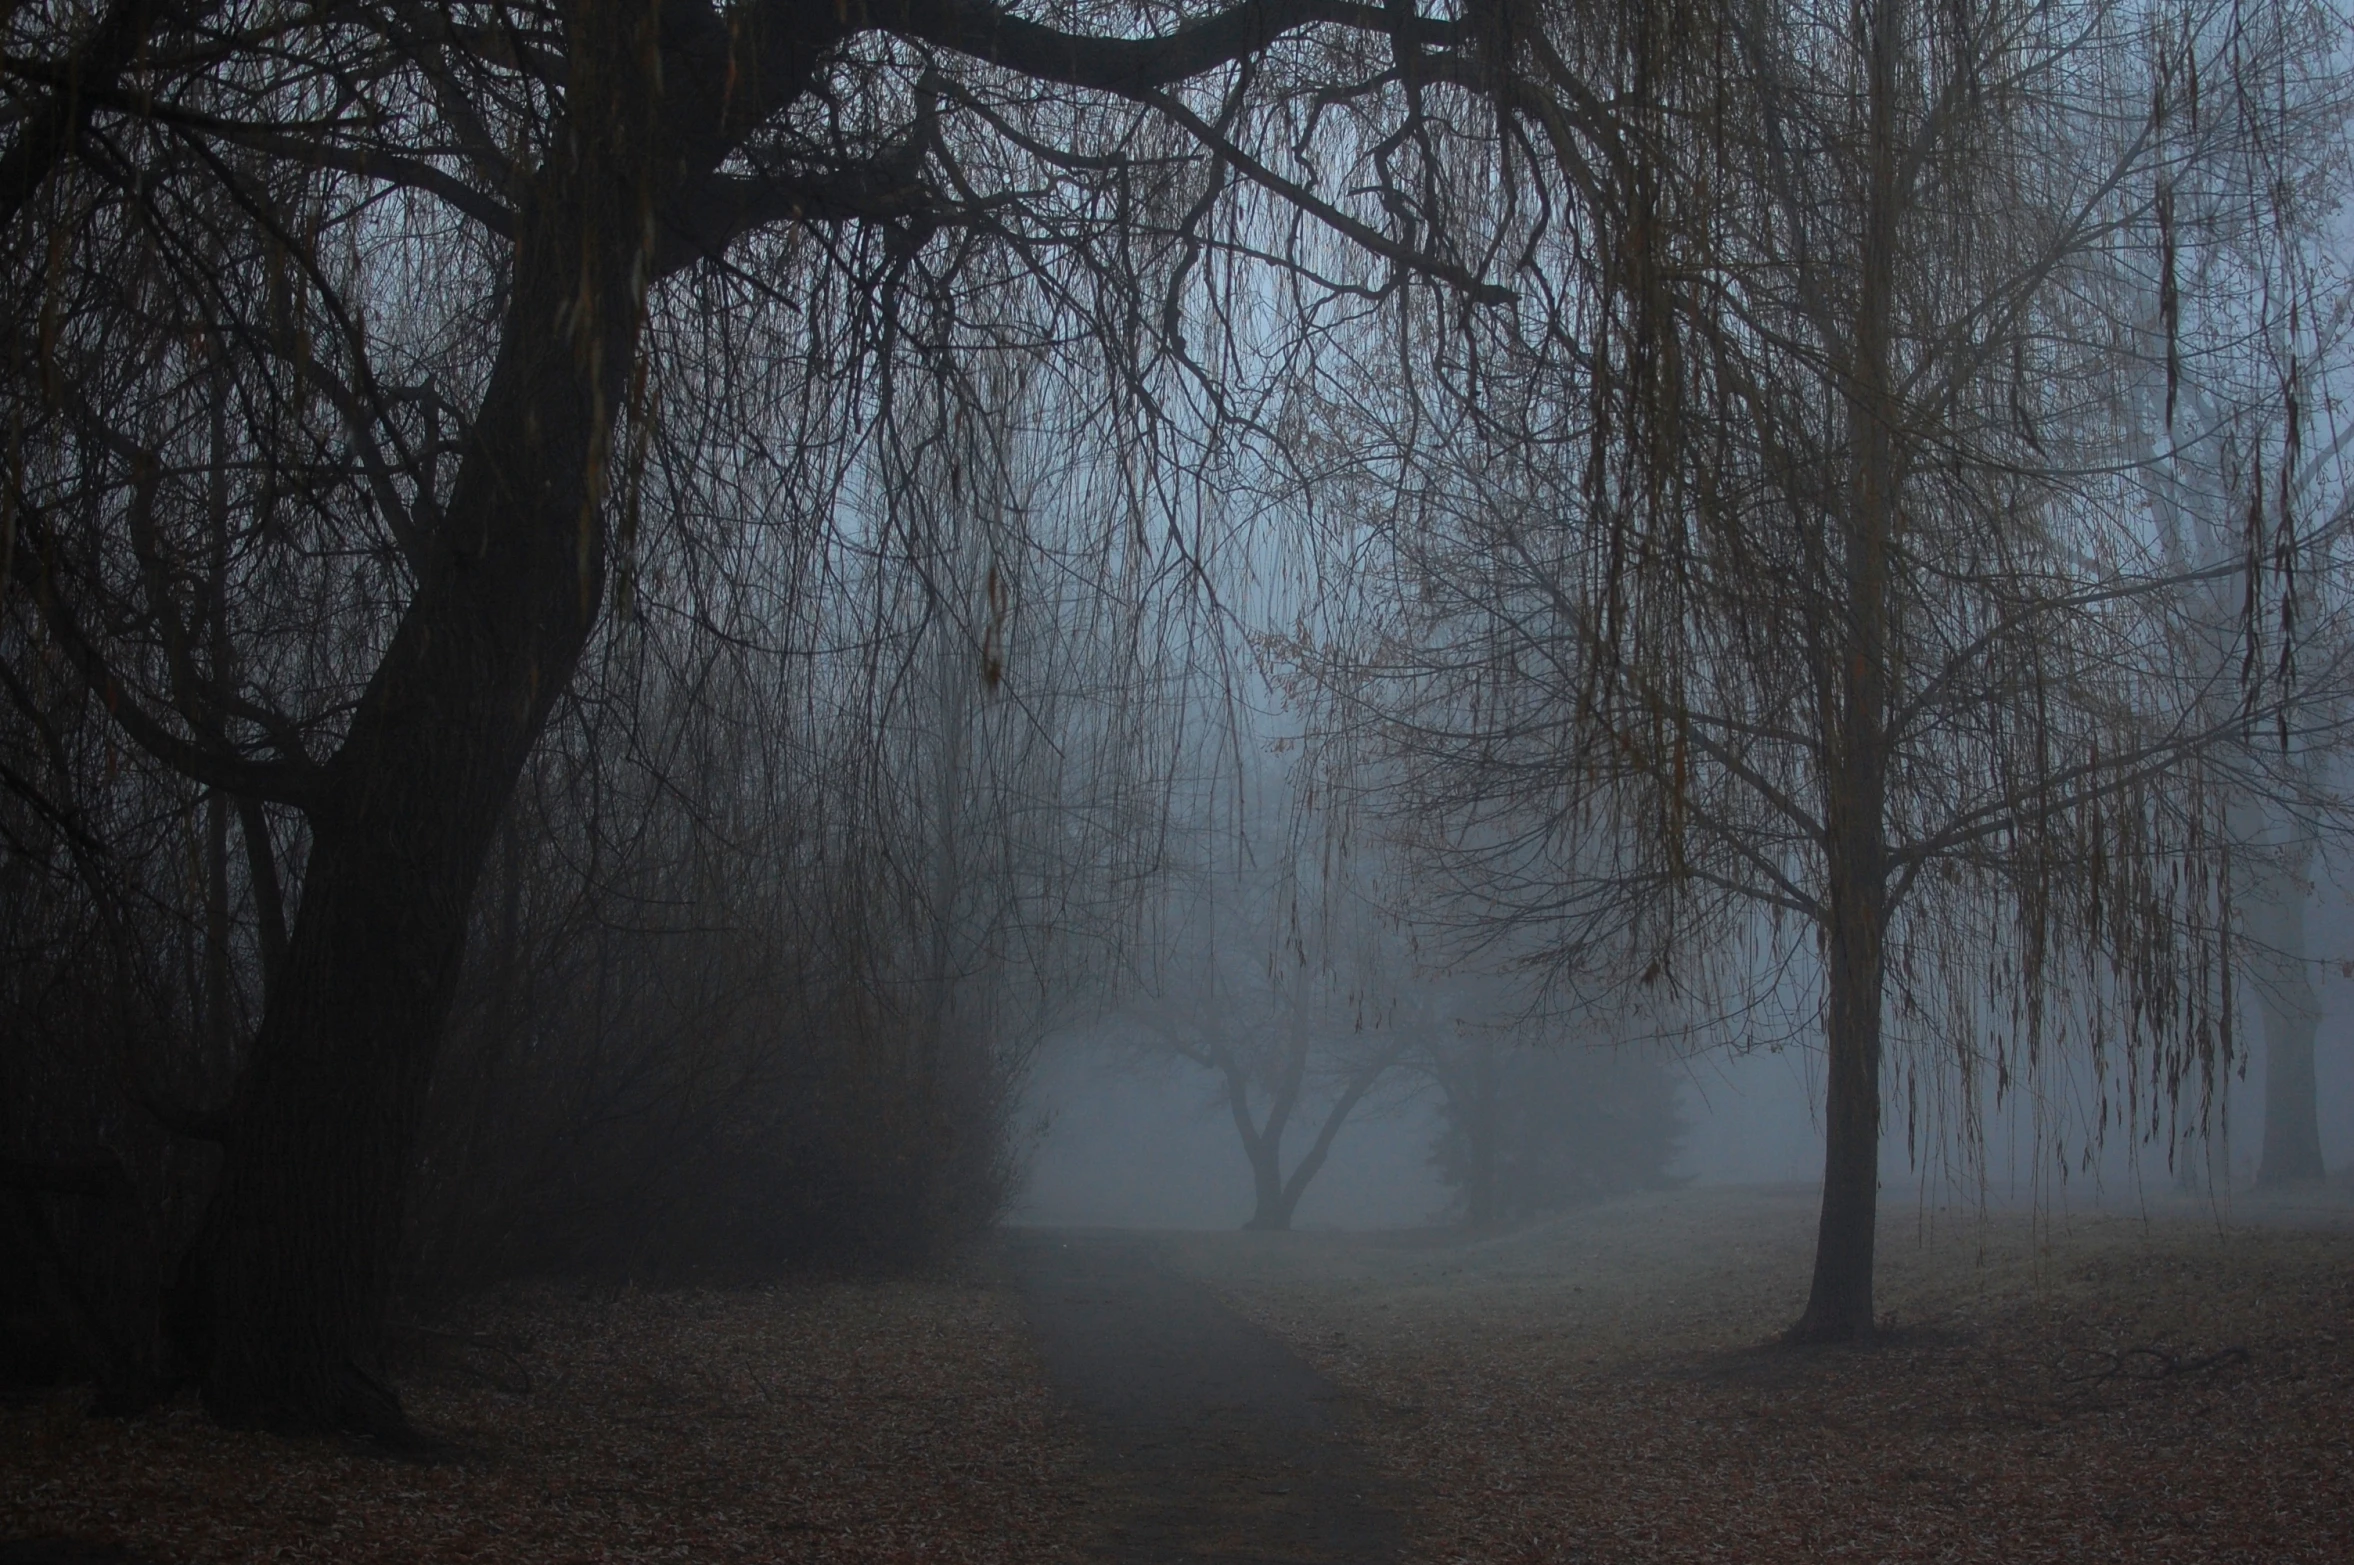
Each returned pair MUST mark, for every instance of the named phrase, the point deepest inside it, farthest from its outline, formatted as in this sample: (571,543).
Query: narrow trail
(1214,1441)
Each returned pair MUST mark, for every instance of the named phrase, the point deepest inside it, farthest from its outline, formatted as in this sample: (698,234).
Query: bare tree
(2236,414)
(1813,632)
(465,277)
(1280,974)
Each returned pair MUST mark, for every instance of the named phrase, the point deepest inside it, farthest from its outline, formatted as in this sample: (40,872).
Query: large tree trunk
(286,1289)
(1839,1305)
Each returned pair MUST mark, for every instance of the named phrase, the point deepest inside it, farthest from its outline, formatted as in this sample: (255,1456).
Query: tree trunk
(1272,1198)
(1482,1195)
(1839,1305)
(289,1281)
(1271,1204)
(2292,1013)
(1334,1117)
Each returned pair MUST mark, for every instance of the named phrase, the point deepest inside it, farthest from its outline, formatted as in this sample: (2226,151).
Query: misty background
(1116,1138)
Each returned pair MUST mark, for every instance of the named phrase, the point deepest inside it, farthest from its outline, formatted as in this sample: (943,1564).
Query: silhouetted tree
(348,340)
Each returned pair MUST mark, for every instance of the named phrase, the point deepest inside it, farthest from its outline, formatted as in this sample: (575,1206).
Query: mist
(1111,1140)
(1225,780)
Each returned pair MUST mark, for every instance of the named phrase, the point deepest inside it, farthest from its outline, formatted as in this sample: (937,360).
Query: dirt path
(1214,1441)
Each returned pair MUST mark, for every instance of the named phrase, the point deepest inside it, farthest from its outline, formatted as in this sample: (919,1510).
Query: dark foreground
(874,1423)
(2165,1386)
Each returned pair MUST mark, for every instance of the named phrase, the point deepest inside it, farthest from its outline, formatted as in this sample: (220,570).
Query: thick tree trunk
(287,1285)
(1839,1305)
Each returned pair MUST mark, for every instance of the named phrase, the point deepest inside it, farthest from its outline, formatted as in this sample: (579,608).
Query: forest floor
(1601,1386)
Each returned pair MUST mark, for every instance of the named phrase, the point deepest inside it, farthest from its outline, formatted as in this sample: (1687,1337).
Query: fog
(1122,1143)
(1114,1139)
(1126,1143)
(1003,779)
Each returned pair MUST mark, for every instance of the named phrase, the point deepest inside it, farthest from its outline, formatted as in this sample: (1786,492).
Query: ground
(2172,1385)
(824,1421)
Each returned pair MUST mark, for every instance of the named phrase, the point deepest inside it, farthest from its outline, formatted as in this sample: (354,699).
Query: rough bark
(1839,1304)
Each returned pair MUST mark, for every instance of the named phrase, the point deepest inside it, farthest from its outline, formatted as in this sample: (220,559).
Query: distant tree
(2283,808)
(1532,1127)
(1275,974)
(2241,446)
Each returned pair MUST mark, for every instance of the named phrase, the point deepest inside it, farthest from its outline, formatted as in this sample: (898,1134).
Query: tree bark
(1839,1304)
(290,1278)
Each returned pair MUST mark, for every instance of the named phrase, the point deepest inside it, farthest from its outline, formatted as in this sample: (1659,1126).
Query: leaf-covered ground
(2162,1388)
(1599,1388)
(895,1422)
